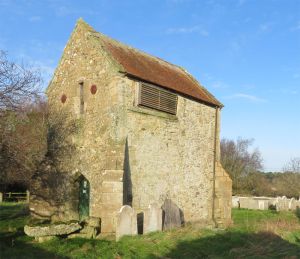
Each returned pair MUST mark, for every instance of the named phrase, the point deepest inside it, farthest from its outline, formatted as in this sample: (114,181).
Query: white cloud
(186,30)
(248,97)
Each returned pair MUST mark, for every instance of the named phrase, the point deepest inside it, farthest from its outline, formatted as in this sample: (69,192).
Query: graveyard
(254,233)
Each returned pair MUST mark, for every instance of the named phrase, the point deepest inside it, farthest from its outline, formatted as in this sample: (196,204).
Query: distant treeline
(245,168)
(270,184)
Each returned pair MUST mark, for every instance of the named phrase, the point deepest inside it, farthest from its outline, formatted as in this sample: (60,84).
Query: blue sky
(246,52)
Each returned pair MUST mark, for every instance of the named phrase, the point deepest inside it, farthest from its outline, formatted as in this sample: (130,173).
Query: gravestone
(292,204)
(263,204)
(153,218)
(171,215)
(235,202)
(126,222)
(278,204)
(245,202)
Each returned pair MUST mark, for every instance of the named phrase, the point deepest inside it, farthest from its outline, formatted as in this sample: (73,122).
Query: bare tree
(18,85)
(238,161)
(293,166)
(22,126)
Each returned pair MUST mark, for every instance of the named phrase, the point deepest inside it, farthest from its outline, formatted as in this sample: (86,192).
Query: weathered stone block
(110,186)
(113,175)
(51,230)
(114,198)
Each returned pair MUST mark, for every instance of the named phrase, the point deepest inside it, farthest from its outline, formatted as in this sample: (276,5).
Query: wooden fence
(15,196)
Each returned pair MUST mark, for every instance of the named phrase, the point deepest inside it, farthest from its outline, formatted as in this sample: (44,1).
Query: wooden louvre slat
(156,98)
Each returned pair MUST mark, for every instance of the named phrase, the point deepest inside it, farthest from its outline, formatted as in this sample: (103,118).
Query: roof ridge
(118,50)
(136,49)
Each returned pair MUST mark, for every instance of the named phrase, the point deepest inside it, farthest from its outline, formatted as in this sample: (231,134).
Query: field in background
(254,234)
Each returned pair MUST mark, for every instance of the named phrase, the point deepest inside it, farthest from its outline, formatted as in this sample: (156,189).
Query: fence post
(27,196)
(9,195)
(1,197)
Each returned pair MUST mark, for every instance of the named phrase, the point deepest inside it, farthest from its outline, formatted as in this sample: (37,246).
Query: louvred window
(157,98)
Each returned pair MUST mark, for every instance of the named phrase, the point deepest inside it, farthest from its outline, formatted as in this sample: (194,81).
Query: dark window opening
(81,99)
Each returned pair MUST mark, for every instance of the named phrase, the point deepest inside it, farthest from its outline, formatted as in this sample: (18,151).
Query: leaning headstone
(153,218)
(126,222)
(171,215)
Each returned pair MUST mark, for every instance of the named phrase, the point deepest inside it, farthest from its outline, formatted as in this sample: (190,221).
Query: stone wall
(85,144)
(169,157)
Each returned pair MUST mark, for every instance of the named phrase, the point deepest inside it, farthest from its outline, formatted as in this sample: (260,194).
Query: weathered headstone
(235,202)
(278,204)
(245,202)
(263,204)
(171,215)
(292,204)
(126,222)
(153,218)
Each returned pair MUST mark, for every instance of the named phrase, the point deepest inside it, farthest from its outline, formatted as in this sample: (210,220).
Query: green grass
(254,234)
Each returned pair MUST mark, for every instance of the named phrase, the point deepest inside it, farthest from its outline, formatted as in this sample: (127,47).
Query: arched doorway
(84,198)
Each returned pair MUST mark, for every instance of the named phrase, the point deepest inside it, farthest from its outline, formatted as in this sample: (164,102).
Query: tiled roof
(151,69)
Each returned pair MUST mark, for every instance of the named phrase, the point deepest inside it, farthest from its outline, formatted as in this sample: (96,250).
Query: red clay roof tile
(157,71)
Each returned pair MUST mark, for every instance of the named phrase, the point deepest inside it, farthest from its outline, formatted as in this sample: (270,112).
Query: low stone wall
(264,203)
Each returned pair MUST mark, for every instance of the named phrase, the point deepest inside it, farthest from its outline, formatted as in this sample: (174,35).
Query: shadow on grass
(236,245)
(16,245)
(8,212)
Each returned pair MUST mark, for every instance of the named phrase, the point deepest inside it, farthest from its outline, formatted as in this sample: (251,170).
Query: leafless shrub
(18,85)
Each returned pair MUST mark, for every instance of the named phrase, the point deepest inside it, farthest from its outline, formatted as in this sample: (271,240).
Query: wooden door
(84,198)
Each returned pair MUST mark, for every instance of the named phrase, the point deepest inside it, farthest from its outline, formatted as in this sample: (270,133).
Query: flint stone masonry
(130,155)
(152,218)
(126,222)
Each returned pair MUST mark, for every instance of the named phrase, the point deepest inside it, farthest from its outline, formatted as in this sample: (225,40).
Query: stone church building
(129,128)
